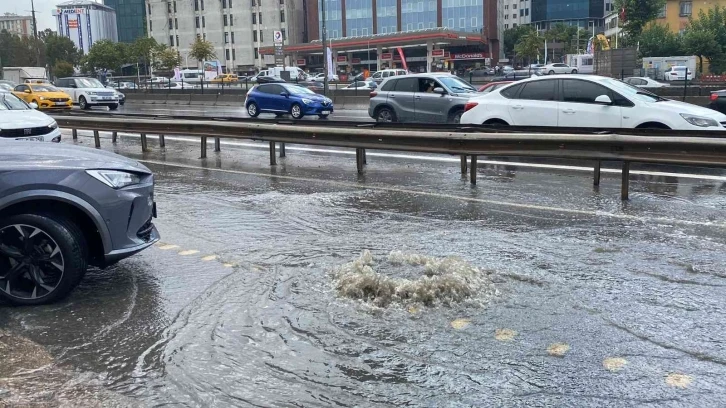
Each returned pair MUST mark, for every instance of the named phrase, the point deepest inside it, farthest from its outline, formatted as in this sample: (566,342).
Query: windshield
(6,87)
(456,84)
(45,88)
(89,83)
(298,90)
(9,101)
(630,91)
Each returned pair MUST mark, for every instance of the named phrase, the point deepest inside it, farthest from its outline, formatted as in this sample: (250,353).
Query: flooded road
(531,289)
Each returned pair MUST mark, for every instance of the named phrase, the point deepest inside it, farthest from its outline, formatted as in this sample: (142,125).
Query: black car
(718,101)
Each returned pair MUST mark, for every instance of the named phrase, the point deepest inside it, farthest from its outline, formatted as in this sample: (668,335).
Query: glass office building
(582,13)
(418,14)
(334,18)
(463,15)
(387,16)
(130,18)
(359,18)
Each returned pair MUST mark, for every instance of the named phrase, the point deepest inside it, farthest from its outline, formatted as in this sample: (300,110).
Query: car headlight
(91,93)
(699,121)
(53,125)
(308,101)
(42,98)
(115,179)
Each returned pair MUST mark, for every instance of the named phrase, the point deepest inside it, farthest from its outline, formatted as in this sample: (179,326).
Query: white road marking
(351,152)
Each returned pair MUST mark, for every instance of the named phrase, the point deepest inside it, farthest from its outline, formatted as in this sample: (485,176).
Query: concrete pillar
(379,51)
(429,56)
(350,62)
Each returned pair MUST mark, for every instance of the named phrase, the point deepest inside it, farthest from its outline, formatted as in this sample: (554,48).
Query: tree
(659,41)
(637,14)
(59,48)
(105,54)
(166,58)
(563,34)
(513,35)
(703,44)
(62,69)
(529,46)
(706,38)
(202,50)
(142,51)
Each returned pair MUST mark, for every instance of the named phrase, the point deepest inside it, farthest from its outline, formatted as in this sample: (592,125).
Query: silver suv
(428,98)
(65,207)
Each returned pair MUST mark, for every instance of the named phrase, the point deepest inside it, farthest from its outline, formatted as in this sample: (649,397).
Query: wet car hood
(315,97)
(678,107)
(28,118)
(16,154)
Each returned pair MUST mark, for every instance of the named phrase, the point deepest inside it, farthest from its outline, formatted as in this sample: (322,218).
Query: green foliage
(59,48)
(513,35)
(562,33)
(638,13)
(706,38)
(17,51)
(659,41)
(166,58)
(105,54)
(62,69)
(529,46)
(202,50)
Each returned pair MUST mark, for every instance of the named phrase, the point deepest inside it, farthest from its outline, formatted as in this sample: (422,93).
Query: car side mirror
(285,94)
(33,105)
(27,91)
(439,90)
(604,100)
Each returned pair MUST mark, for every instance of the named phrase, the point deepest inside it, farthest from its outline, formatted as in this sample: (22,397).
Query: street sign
(277,37)
(437,53)
(279,55)
(300,62)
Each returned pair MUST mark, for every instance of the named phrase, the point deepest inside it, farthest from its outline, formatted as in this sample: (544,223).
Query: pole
(35,29)
(325,51)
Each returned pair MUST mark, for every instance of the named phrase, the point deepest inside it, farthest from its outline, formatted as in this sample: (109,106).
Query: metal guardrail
(463,141)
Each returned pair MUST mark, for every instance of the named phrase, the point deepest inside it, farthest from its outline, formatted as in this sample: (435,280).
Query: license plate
(325,113)
(31,139)
(60,104)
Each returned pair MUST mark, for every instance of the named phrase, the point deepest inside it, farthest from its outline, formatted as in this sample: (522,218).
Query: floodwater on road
(309,285)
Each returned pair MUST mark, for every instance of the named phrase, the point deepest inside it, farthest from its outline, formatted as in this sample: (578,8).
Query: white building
(85,22)
(510,14)
(237,28)
(15,24)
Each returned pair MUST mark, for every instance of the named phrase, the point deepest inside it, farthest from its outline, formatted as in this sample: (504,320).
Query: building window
(254,18)
(231,20)
(171,40)
(175,6)
(226,52)
(171,24)
(364,31)
(204,22)
(506,26)
(521,12)
(204,36)
(229,3)
(282,1)
(177,40)
(226,38)
(257,53)
(149,9)
(196,21)
(224,5)
(514,16)
(234,56)
(254,3)
(176,23)
(254,36)
(526,12)
(284,34)
(686,7)
(474,21)
(354,32)
(151,26)
(662,12)
(202,1)
(282,16)
(232,34)
(225,20)
(196,5)
(514,6)
(259,18)
(168,7)
(262,36)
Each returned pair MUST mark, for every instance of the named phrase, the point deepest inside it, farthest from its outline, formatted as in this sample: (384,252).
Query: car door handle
(418,97)
(518,107)
(391,96)
(568,111)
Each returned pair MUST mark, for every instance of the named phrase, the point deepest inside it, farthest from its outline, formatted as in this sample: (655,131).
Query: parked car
(285,98)
(483,71)
(6,87)
(226,79)
(157,80)
(424,98)
(63,208)
(180,85)
(125,85)
(380,76)
(44,96)
(269,80)
(677,73)
(20,121)
(8,82)
(320,77)
(580,101)
(360,86)
(718,101)
(557,68)
(492,86)
(88,92)
(644,82)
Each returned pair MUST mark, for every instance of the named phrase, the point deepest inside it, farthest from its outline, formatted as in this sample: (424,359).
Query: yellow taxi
(46,96)
(225,79)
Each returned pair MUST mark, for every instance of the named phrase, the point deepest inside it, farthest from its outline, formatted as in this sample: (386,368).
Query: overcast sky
(43,10)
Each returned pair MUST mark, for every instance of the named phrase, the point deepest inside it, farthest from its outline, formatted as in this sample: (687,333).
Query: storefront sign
(468,56)
(342,58)
(396,57)
(437,53)
(300,62)
(386,56)
(355,61)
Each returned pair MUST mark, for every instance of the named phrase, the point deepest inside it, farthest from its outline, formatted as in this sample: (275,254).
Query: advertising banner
(211,69)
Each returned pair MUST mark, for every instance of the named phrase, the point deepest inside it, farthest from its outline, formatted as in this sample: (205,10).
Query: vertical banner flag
(331,65)
(403,58)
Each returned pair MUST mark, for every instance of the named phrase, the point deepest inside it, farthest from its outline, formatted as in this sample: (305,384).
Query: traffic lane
(598,302)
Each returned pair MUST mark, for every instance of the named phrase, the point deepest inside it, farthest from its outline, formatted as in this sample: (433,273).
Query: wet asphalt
(598,302)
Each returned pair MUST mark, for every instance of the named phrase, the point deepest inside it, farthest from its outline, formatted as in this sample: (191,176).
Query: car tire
(113,107)
(551,73)
(122,103)
(253,110)
(57,251)
(574,71)
(35,102)
(296,111)
(455,117)
(323,116)
(385,115)
(83,103)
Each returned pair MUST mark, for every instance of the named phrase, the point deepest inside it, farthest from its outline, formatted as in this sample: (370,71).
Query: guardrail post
(365,157)
(217,145)
(96,139)
(626,181)
(144,144)
(473,169)
(114,137)
(204,147)
(273,158)
(596,180)
(282,150)
(359,160)
(75,134)
(162,141)
(463,164)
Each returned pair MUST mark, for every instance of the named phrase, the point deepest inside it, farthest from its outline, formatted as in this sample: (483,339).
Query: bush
(62,69)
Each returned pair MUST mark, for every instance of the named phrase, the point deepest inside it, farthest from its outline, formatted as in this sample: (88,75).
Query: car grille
(36,131)
(145,230)
(105,93)
(325,103)
(58,99)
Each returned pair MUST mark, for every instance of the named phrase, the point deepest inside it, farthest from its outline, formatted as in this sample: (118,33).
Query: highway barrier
(687,148)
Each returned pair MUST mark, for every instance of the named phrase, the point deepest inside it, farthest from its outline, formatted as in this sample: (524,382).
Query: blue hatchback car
(285,98)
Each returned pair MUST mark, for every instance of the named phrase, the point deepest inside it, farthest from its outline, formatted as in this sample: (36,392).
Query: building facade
(85,22)
(237,28)
(15,24)
(675,13)
(130,18)
(585,14)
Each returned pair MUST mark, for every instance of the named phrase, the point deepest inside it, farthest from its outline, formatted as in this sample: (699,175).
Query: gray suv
(428,98)
(63,208)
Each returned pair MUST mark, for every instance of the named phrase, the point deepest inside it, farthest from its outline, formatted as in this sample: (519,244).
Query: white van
(192,76)
(87,92)
(379,76)
(583,63)
(295,72)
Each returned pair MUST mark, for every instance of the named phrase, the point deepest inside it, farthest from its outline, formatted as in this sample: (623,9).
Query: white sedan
(644,82)
(557,68)
(19,121)
(320,77)
(579,101)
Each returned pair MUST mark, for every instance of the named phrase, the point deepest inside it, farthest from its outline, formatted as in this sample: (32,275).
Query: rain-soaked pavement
(262,294)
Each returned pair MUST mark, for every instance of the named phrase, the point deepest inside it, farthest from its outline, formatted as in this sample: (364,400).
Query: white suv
(87,92)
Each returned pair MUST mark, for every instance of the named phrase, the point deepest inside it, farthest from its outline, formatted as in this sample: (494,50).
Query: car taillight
(714,97)
(373,94)
(469,106)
